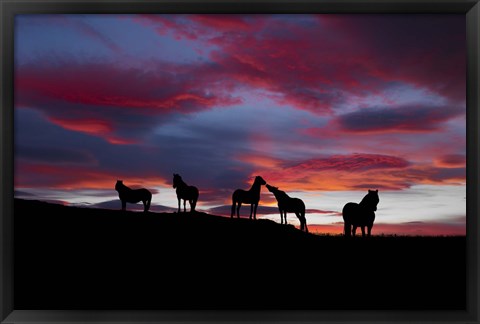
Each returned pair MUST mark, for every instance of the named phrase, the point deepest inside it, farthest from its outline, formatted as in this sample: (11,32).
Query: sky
(325,107)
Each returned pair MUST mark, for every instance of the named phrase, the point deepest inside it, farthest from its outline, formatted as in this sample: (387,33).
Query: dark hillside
(82,258)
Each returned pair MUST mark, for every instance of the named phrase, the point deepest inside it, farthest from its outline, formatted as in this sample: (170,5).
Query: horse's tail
(304,219)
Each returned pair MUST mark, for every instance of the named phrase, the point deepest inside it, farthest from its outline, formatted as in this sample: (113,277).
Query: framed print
(201,161)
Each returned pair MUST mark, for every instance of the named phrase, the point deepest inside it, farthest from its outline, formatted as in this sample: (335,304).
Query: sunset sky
(325,107)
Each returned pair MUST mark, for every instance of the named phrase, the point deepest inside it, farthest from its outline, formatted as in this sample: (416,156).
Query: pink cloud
(354,172)
(99,99)
(68,177)
(304,63)
(352,163)
(112,85)
(451,161)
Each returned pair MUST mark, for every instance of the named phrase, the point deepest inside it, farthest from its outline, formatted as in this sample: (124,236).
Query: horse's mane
(370,199)
(177,179)
(279,194)
(283,193)
(120,186)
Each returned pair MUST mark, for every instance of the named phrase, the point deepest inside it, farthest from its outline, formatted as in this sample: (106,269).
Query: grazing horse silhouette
(133,196)
(252,197)
(291,205)
(360,215)
(185,192)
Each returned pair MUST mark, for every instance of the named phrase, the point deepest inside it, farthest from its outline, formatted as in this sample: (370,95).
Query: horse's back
(236,194)
(244,196)
(187,192)
(292,205)
(136,195)
(355,214)
(145,193)
(349,209)
(194,191)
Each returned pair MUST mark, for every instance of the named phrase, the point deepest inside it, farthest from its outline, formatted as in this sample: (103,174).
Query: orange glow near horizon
(420,229)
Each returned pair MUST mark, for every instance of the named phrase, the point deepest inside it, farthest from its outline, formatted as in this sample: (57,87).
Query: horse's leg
(347,229)
(146,205)
(300,219)
(184,205)
(304,221)
(255,211)
(194,203)
(124,205)
(370,230)
(363,230)
(354,230)
(179,203)
(251,210)
(238,209)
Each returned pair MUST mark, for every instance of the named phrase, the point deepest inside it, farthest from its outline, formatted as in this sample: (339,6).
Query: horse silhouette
(133,196)
(185,192)
(360,215)
(288,204)
(252,197)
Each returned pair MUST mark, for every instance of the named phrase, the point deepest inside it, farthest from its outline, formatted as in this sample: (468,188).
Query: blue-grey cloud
(399,119)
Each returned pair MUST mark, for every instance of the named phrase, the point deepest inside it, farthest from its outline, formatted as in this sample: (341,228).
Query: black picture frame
(8,10)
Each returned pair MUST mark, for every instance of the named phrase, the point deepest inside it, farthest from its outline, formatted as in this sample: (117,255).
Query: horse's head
(259,180)
(371,200)
(271,188)
(119,184)
(176,178)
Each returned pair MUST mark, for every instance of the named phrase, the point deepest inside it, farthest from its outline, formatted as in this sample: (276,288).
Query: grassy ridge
(77,258)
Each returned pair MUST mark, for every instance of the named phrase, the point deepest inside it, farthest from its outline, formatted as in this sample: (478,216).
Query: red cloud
(98,99)
(170,89)
(315,62)
(354,172)
(194,27)
(352,163)
(296,60)
(29,175)
(102,128)
(451,161)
